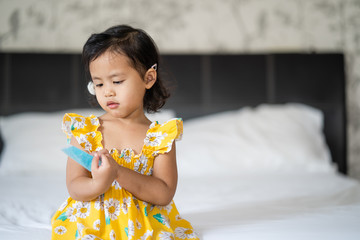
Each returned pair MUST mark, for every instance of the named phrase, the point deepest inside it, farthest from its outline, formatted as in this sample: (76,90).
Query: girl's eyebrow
(112,75)
(95,78)
(116,75)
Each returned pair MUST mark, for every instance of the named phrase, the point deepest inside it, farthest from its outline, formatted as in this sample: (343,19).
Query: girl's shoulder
(73,121)
(84,129)
(160,137)
(173,126)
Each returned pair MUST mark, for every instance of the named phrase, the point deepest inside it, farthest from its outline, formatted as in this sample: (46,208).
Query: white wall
(211,26)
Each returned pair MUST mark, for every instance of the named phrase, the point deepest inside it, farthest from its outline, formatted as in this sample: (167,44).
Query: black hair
(140,49)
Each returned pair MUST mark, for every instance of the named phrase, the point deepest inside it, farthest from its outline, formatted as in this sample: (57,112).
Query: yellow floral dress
(117,214)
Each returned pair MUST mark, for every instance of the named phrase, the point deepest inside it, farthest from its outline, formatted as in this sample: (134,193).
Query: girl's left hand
(106,172)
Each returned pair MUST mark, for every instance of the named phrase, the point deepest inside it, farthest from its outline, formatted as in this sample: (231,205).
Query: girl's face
(118,86)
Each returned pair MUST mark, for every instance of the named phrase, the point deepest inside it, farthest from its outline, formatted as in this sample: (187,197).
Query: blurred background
(50,34)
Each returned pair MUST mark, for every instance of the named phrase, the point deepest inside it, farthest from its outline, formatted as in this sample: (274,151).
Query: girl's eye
(99,85)
(119,82)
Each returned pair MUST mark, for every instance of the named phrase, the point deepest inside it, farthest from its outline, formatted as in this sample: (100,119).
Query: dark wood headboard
(203,84)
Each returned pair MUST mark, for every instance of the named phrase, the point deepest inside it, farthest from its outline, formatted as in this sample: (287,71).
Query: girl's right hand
(104,170)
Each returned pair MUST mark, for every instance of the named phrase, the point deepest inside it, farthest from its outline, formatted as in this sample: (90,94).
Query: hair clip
(154,66)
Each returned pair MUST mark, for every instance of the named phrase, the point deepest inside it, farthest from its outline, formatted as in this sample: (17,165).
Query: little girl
(128,194)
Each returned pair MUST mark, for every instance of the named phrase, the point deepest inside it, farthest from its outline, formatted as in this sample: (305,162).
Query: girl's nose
(109,92)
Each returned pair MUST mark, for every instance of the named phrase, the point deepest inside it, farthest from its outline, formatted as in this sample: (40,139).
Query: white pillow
(33,141)
(266,138)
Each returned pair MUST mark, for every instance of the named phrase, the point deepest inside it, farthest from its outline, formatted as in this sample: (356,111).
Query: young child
(129,195)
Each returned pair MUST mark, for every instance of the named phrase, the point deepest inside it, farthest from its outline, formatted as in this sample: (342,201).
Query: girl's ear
(150,78)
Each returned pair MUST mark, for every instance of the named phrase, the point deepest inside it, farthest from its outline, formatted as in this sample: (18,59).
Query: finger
(104,159)
(95,162)
(102,151)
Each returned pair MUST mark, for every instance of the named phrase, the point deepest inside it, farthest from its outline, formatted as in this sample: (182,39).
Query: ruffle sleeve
(160,137)
(84,129)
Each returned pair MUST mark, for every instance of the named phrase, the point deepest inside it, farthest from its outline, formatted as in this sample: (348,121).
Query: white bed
(254,173)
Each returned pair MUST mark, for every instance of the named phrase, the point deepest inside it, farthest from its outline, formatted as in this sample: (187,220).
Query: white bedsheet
(273,206)
(243,206)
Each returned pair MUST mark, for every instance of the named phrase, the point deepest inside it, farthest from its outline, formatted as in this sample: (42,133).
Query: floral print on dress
(131,229)
(116,185)
(166,236)
(112,208)
(78,124)
(82,209)
(154,139)
(148,235)
(162,219)
(127,154)
(138,224)
(99,202)
(185,233)
(60,230)
(71,214)
(95,121)
(112,235)
(117,214)
(89,237)
(84,130)
(125,205)
(64,204)
(96,225)
(141,164)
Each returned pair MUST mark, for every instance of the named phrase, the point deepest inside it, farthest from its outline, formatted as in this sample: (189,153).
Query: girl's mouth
(112,105)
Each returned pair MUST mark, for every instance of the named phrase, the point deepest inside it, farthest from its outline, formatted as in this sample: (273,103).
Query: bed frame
(202,84)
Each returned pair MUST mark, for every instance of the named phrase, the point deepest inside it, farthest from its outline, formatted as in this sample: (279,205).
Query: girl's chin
(115,113)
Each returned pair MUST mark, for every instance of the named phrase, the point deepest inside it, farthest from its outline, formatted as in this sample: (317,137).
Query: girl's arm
(85,186)
(158,189)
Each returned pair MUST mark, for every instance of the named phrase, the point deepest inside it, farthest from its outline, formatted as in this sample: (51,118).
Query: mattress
(246,206)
